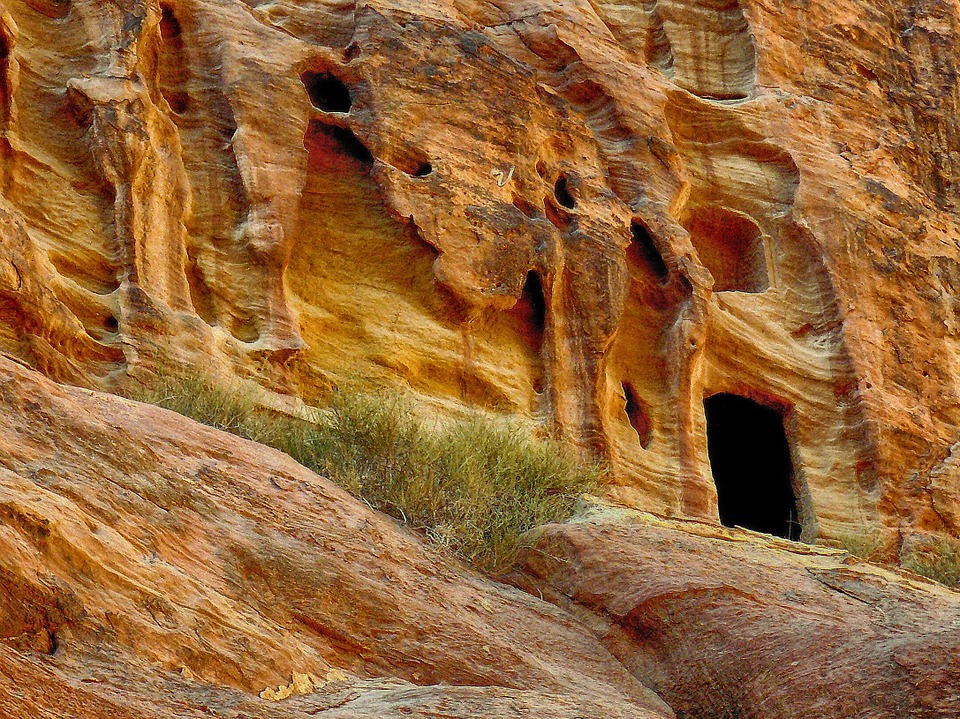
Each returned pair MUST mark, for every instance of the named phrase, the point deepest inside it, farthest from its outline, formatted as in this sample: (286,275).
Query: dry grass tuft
(936,559)
(474,487)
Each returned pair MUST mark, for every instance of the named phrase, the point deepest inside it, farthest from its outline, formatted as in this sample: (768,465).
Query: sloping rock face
(593,213)
(723,626)
(150,566)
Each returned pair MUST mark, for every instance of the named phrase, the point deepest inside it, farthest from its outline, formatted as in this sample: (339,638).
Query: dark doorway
(750,459)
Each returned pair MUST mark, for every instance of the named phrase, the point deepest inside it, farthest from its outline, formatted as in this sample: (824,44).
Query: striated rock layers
(154,567)
(150,567)
(594,214)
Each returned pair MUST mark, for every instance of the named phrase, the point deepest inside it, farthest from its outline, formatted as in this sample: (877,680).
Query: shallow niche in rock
(531,311)
(751,463)
(712,48)
(524,206)
(638,414)
(173,72)
(328,144)
(4,70)
(55,9)
(530,315)
(642,251)
(327,91)
(731,246)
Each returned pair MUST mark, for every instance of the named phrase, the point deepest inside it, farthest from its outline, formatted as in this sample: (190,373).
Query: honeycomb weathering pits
(311,192)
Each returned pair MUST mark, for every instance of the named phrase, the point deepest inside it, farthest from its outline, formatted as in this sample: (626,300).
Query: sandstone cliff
(594,214)
(678,233)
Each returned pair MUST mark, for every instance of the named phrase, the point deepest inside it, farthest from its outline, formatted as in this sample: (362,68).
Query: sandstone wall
(589,213)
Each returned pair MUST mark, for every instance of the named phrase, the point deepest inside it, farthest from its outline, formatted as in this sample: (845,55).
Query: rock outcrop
(724,624)
(593,214)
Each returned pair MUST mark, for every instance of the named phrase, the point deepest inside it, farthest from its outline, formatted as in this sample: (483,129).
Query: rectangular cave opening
(750,460)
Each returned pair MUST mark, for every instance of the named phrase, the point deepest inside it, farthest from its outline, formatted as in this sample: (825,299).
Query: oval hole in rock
(425,169)
(638,415)
(327,92)
(112,324)
(410,161)
(643,250)
(562,193)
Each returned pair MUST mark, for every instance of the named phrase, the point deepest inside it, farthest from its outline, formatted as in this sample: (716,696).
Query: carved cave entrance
(750,459)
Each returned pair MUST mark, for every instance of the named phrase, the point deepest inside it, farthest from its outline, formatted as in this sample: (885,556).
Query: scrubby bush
(474,486)
(868,545)
(937,559)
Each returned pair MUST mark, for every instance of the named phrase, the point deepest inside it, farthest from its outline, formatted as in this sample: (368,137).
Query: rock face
(594,214)
(722,626)
(153,567)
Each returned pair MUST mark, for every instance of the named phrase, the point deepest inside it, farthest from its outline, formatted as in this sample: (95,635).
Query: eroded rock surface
(724,624)
(592,214)
(151,565)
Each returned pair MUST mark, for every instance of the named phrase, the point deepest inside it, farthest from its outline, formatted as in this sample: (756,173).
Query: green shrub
(474,486)
(934,558)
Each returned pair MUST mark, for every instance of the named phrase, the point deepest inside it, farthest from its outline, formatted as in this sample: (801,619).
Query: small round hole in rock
(352,52)
(327,92)
(112,324)
(411,161)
